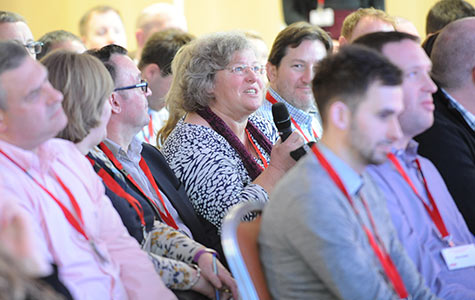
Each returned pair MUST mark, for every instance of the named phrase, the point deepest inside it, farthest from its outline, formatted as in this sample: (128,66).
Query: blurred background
(203,16)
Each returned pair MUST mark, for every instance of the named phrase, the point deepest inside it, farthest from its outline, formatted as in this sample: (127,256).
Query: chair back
(239,240)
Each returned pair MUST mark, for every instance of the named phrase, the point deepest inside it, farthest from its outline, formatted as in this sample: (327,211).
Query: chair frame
(229,240)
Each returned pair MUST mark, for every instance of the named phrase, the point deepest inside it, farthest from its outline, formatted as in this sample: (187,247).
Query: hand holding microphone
(284,126)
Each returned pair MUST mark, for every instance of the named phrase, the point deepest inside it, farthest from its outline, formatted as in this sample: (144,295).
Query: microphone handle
(284,134)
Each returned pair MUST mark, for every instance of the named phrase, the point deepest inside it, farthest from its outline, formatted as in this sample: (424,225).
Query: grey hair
(195,67)
(12,55)
(10,17)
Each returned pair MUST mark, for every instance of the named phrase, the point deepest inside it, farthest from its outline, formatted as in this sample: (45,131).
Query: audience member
(262,52)
(220,151)
(100,26)
(445,11)
(14,27)
(87,86)
(450,142)
(299,10)
(415,192)
(74,222)
(156,17)
(60,39)
(155,65)
(290,70)
(330,235)
(144,167)
(363,21)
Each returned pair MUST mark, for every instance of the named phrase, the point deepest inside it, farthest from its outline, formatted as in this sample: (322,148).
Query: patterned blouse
(212,171)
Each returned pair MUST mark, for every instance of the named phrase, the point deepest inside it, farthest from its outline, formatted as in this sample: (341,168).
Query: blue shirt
(312,245)
(416,229)
(306,121)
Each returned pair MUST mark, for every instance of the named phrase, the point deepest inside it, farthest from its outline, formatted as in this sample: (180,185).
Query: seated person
(87,86)
(74,222)
(60,39)
(219,150)
(415,192)
(326,232)
(155,65)
(101,26)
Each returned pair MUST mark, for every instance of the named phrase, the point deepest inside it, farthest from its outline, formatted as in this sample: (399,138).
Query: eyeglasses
(143,85)
(34,47)
(242,69)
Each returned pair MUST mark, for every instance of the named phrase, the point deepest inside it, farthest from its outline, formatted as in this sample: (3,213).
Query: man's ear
(139,37)
(271,72)
(342,41)
(340,115)
(115,103)
(150,71)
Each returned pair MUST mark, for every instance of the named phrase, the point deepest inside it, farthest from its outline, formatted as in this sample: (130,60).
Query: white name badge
(459,257)
(323,17)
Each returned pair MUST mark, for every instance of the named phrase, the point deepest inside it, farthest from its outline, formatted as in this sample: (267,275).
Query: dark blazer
(450,145)
(203,232)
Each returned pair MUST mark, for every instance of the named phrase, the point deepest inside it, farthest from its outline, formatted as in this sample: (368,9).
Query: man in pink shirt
(74,223)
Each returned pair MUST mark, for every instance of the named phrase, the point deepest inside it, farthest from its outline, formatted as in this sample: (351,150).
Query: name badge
(323,17)
(459,257)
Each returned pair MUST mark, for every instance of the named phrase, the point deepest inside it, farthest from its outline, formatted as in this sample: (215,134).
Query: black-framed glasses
(34,47)
(143,85)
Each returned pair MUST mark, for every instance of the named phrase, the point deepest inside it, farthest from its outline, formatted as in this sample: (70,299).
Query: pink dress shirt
(128,274)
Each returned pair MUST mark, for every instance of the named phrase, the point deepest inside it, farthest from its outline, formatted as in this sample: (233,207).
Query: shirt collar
(350,178)
(40,160)
(133,153)
(468,116)
(299,115)
(409,154)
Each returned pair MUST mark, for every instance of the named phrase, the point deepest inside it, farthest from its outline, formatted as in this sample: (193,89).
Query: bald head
(157,17)
(453,56)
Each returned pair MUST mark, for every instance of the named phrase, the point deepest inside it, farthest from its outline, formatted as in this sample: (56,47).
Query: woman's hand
(223,281)
(280,158)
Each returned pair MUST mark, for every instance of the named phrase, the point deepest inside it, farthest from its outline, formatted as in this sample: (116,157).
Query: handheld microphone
(282,120)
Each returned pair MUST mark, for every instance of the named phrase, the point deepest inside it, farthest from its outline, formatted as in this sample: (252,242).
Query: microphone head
(281,116)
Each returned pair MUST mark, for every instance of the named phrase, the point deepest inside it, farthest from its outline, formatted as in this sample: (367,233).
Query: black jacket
(450,145)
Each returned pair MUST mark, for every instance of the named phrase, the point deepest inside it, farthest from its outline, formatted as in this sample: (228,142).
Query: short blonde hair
(352,20)
(85,84)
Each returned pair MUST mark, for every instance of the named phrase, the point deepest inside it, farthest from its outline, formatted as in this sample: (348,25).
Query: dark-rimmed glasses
(34,47)
(143,85)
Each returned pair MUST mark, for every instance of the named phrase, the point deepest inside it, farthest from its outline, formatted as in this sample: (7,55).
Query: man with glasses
(142,165)
(290,70)
(75,225)
(14,27)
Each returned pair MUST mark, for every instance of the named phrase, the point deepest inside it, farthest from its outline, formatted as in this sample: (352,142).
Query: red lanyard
(166,217)
(259,153)
(383,256)
(77,223)
(273,101)
(434,211)
(117,189)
